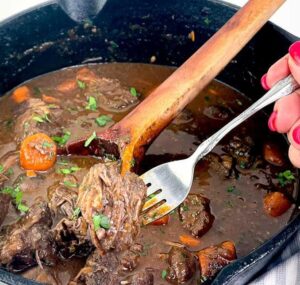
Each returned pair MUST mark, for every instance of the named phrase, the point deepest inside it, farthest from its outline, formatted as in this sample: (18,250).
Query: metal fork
(170,183)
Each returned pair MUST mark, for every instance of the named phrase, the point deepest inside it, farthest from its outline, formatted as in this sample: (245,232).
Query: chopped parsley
(70,170)
(1,168)
(9,172)
(92,104)
(41,119)
(46,144)
(134,92)
(17,195)
(132,162)
(164,274)
(103,120)
(70,184)
(76,213)
(207,21)
(61,141)
(230,189)
(101,221)
(90,139)
(81,84)
(22,208)
(185,208)
(285,177)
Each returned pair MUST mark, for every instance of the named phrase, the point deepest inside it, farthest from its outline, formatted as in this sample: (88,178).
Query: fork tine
(148,178)
(156,213)
(153,201)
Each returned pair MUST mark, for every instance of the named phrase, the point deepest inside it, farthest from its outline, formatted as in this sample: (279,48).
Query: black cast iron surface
(46,39)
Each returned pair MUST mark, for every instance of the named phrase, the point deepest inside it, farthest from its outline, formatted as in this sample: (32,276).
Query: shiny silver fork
(169,183)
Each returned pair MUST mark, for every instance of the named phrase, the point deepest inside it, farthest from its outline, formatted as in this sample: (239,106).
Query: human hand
(286,114)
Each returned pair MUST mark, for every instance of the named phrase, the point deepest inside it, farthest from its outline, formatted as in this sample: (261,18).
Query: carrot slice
(276,203)
(212,259)
(162,221)
(50,99)
(38,152)
(67,86)
(189,240)
(21,94)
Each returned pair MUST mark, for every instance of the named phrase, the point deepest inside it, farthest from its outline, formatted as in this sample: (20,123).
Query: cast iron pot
(45,39)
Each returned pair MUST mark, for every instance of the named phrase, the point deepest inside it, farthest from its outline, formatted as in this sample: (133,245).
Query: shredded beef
(28,241)
(105,192)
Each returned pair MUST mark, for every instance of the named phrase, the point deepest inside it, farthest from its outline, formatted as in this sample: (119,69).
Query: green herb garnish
(92,104)
(1,168)
(76,213)
(46,144)
(90,139)
(185,208)
(63,139)
(38,119)
(230,189)
(22,208)
(134,92)
(164,274)
(81,84)
(9,172)
(101,221)
(70,170)
(207,21)
(285,177)
(17,195)
(132,162)
(70,184)
(103,120)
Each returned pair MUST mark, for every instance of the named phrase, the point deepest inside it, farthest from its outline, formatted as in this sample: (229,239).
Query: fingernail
(272,122)
(296,135)
(294,52)
(263,82)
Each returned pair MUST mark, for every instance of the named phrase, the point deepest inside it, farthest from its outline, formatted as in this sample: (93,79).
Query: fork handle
(283,88)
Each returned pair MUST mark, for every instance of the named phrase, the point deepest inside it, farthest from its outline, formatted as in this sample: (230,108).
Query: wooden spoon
(129,137)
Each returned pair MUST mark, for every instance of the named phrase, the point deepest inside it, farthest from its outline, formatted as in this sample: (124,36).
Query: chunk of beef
(242,149)
(182,265)
(29,241)
(195,214)
(71,233)
(223,164)
(106,269)
(105,193)
(111,95)
(71,237)
(212,259)
(27,123)
(7,161)
(4,202)
(62,199)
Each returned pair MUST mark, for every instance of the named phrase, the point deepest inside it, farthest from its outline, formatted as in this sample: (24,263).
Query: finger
(294,155)
(294,60)
(294,135)
(286,113)
(276,72)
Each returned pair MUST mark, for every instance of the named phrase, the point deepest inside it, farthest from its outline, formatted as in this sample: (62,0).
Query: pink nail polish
(294,52)
(296,135)
(272,122)
(263,82)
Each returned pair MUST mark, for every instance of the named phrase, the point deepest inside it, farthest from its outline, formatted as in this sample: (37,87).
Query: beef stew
(91,233)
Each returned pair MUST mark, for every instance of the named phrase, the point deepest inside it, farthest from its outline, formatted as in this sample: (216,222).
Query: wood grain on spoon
(138,129)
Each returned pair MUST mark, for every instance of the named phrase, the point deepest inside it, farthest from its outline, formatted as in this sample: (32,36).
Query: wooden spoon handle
(148,119)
